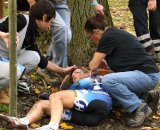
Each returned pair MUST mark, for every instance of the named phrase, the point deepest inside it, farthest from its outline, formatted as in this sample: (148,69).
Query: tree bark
(80,50)
(13,58)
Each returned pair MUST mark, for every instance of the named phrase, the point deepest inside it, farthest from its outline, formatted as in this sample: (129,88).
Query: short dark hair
(84,70)
(68,81)
(41,8)
(95,22)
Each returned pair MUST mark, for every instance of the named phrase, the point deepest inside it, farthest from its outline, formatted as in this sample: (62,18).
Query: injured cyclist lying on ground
(85,99)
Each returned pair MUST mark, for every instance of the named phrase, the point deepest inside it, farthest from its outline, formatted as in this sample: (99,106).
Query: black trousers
(22,5)
(146,23)
(95,113)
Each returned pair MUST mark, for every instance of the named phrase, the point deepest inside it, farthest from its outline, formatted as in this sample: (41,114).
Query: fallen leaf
(149,128)
(156,117)
(34,125)
(146,128)
(37,91)
(66,126)
(54,89)
(48,87)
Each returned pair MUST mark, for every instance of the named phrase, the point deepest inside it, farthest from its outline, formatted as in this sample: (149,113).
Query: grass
(5,10)
(121,15)
(3,108)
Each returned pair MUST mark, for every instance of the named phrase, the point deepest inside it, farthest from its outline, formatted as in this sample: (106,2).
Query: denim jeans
(61,36)
(125,86)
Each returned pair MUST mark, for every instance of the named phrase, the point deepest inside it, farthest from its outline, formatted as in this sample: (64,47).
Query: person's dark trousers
(148,36)
(154,26)
(95,113)
(22,5)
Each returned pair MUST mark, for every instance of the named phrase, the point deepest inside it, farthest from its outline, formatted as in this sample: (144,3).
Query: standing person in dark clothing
(135,71)
(147,25)
(23,5)
(28,54)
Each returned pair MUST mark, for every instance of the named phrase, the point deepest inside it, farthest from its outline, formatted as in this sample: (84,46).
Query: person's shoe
(152,98)
(154,101)
(45,127)
(11,123)
(154,57)
(139,115)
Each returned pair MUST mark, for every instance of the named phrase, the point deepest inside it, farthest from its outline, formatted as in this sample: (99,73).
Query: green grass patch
(5,11)
(121,15)
(3,108)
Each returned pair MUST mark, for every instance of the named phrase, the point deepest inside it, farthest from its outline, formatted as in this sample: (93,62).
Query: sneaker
(154,57)
(12,122)
(139,115)
(46,127)
(154,101)
(152,98)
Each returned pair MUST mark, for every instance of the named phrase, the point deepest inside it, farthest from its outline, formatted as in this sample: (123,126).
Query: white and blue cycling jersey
(87,83)
(84,97)
(88,90)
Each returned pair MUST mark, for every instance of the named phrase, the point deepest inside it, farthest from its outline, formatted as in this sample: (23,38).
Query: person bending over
(60,27)
(135,71)
(84,103)
(28,54)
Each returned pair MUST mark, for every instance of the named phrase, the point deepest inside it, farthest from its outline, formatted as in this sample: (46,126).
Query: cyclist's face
(78,74)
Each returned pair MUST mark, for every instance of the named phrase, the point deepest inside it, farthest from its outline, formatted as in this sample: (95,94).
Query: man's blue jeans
(61,36)
(125,86)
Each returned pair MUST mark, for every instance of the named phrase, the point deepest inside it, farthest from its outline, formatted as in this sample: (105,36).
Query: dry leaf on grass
(54,89)
(149,128)
(34,125)
(37,91)
(156,117)
(66,126)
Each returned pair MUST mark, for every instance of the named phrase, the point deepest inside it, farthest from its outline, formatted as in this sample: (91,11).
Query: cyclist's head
(80,73)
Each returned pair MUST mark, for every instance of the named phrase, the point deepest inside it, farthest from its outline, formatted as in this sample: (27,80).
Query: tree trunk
(80,50)
(13,58)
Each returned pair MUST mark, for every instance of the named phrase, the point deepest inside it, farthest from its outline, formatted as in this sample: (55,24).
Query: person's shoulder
(21,21)
(109,33)
(114,32)
(113,29)
(21,17)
